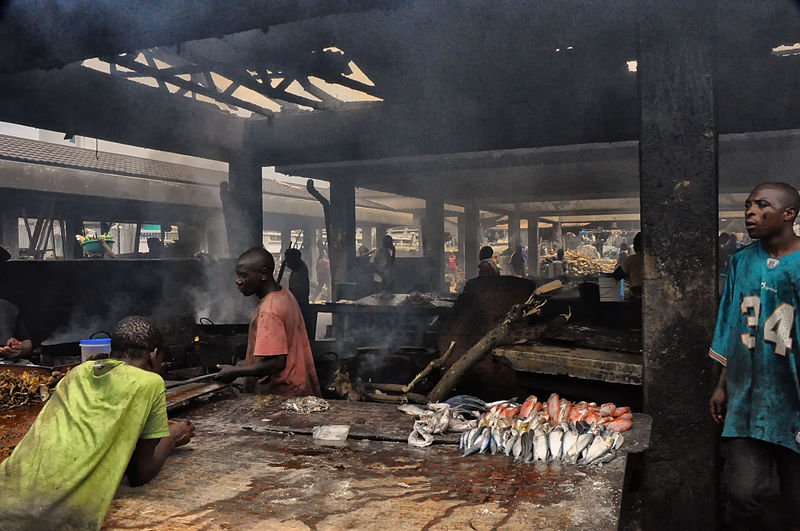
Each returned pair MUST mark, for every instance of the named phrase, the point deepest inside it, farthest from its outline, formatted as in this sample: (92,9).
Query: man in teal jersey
(106,418)
(758,394)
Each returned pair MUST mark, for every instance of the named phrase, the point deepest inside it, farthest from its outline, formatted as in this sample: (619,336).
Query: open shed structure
(531,109)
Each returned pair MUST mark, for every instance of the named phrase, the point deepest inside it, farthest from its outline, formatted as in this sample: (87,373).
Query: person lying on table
(106,418)
(278,351)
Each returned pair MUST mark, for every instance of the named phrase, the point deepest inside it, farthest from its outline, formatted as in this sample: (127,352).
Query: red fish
(620,424)
(607,408)
(527,406)
(553,406)
(621,411)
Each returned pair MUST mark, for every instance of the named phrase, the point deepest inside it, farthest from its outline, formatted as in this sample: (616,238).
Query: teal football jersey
(756,338)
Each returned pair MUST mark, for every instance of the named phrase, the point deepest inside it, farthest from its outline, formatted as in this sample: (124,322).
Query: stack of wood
(523,322)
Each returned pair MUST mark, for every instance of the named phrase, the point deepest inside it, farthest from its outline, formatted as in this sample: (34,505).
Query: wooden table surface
(236,475)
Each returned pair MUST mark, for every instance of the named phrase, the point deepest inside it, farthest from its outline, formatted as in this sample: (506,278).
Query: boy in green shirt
(106,418)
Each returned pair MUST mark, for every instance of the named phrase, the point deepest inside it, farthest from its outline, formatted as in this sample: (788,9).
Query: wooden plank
(180,395)
(229,478)
(614,367)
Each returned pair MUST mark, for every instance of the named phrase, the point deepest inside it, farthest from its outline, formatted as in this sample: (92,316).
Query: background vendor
(14,339)
(278,351)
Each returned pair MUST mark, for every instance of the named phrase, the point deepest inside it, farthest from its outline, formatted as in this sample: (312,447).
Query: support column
(558,236)
(9,232)
(366,237)
(380,232)
(461,260)
(471,241)
(342,240)
(514,238)
(433,240)
(679,188)
(242,202)
(286,237)
(534,260)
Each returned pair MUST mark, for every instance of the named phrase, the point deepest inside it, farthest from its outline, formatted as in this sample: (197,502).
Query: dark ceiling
(454,77)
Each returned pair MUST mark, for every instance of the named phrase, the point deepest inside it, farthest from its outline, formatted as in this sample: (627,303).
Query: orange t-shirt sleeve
(270,336)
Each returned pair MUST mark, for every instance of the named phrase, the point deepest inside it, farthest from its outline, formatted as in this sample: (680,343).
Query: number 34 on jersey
(777,327)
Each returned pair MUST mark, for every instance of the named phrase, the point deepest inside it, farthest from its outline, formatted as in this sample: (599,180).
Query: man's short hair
(293,253)
(134,337)
(485,253)
(259,258)
(790,198)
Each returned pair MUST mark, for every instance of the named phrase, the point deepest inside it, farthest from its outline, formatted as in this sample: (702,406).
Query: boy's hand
(717,404)
(227,373)
(181,432)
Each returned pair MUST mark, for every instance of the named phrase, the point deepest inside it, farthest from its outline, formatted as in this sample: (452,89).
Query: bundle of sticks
(502,334)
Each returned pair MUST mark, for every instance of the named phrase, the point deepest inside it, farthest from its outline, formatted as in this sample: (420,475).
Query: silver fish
(485,440)
(509,446)
(555,442)
(570,438)
(540,446)
(516,451)
(600,446)
(527,447)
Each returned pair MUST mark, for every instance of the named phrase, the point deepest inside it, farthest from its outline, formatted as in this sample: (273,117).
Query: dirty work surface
(229,478)
(14,424)
(178,396)
(367,420)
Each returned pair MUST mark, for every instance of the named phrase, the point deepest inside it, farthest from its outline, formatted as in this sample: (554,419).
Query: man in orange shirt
(278,352)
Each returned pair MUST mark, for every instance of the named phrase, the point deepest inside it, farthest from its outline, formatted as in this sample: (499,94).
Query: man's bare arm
(719,398)
(263,366)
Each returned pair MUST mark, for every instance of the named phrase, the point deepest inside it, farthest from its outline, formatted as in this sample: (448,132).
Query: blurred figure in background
(383,263)
(486,266)
(518,262)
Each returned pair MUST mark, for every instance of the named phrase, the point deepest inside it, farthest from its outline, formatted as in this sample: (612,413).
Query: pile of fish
(557,431)
(438,418)
(28,387)
(306,404)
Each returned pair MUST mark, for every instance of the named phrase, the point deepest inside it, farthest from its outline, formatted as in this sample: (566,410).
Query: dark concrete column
(558,236)
(380,232)
(366,236)
(533,245)
(286,237)
(342,240)
(471,241)
(433,239)
(74,227)
(242,203)
(679,186)
(514,237)
(9,232)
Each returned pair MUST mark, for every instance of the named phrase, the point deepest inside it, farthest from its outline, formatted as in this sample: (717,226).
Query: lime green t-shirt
(65,471)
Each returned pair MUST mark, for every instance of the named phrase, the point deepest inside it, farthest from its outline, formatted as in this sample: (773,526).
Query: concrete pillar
(513,231)
(286,237)
(558,236)
(9,232)
(534,260)
(678,190)
(342,240)
(433,239)
(242,202)
(380,232)
(74,227)
(366,236)
(461,257)
(471,241)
